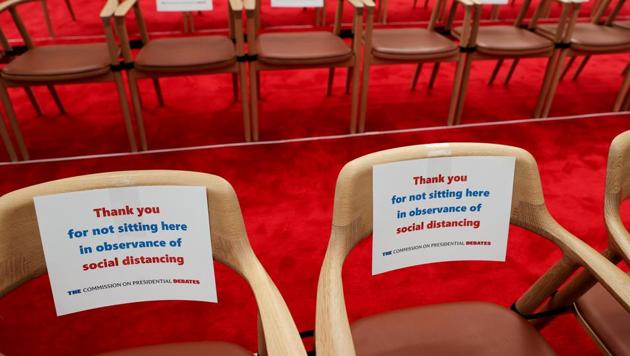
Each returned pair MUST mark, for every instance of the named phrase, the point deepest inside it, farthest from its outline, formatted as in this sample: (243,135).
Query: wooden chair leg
(434,73)
(623,94)
(384,12)
(581,67)
(544,89)
(463,90)
(554,85)
(137,108)
(17,133)
(49,25)
(33,100)
(456,94)
(513,66)
(253,82)
(4,134)
(258,85)
(235,86)
(55,96)
(568,67)
(416,76)
(494,12)
(365,79)
(71,10)
(354,109)
(349,77)
(495,71)
(241,75)
(626,104)
(331,78)
(158,91)
(124,106)
(626,69)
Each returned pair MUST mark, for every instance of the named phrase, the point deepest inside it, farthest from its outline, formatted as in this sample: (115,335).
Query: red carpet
(286,192)
(286,189)
(200,110)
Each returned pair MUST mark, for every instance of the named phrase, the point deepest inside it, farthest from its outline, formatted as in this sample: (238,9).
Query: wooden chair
(602,316)
(403,45)
(22,254)
(62,64)
(465,328)
(49,25)
(505,42)
(587,39)
(198,55)
(302,50)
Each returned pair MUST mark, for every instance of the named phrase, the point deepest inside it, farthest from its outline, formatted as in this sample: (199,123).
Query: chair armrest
(236,5)
(357,4)
(369,3)
(249,5)
(5,5)
(123,9)
(109,9)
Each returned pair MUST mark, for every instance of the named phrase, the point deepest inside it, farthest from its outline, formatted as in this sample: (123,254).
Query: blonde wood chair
(602,316)
(304,50)
(182,56)
(22,257)
(403,45)
(586,39)
(62,64)
(507,42)
(457,328)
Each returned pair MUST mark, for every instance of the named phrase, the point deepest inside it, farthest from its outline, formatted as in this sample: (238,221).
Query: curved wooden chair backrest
(618,190)
(22,258)
(352,222)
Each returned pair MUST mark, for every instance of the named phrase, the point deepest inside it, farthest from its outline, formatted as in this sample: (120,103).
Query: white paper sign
(493,2)
(184,5)
(297,3)
(123,245)
(441,209)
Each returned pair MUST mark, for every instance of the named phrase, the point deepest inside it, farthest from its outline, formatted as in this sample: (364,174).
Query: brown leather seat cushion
(302,48)
(593,38)
(186,54)
(469,328)
(509,41)
(411,44)
(623,24)
(607,318)
(186,348)
(59,62)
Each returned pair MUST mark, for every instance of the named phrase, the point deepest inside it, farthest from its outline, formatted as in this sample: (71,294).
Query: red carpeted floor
(286,193)
(286,189)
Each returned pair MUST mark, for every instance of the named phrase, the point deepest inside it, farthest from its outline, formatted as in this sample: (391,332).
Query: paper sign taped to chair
(492,2)
(123,245)
(297,3)
(184,5)
(441,209)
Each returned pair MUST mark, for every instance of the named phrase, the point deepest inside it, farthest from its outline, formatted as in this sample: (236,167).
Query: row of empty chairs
(455,328)
(440,42)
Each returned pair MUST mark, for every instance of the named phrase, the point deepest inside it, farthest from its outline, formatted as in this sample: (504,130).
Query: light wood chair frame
(353,217)
(617,190)
(352,63)
(22,257)
(49,26)
(238,69)
(112,75)
(468,39)
(369,59)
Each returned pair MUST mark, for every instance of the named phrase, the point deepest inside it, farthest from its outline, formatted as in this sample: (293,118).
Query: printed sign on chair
(441,209)
(123,245)
(184,5)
